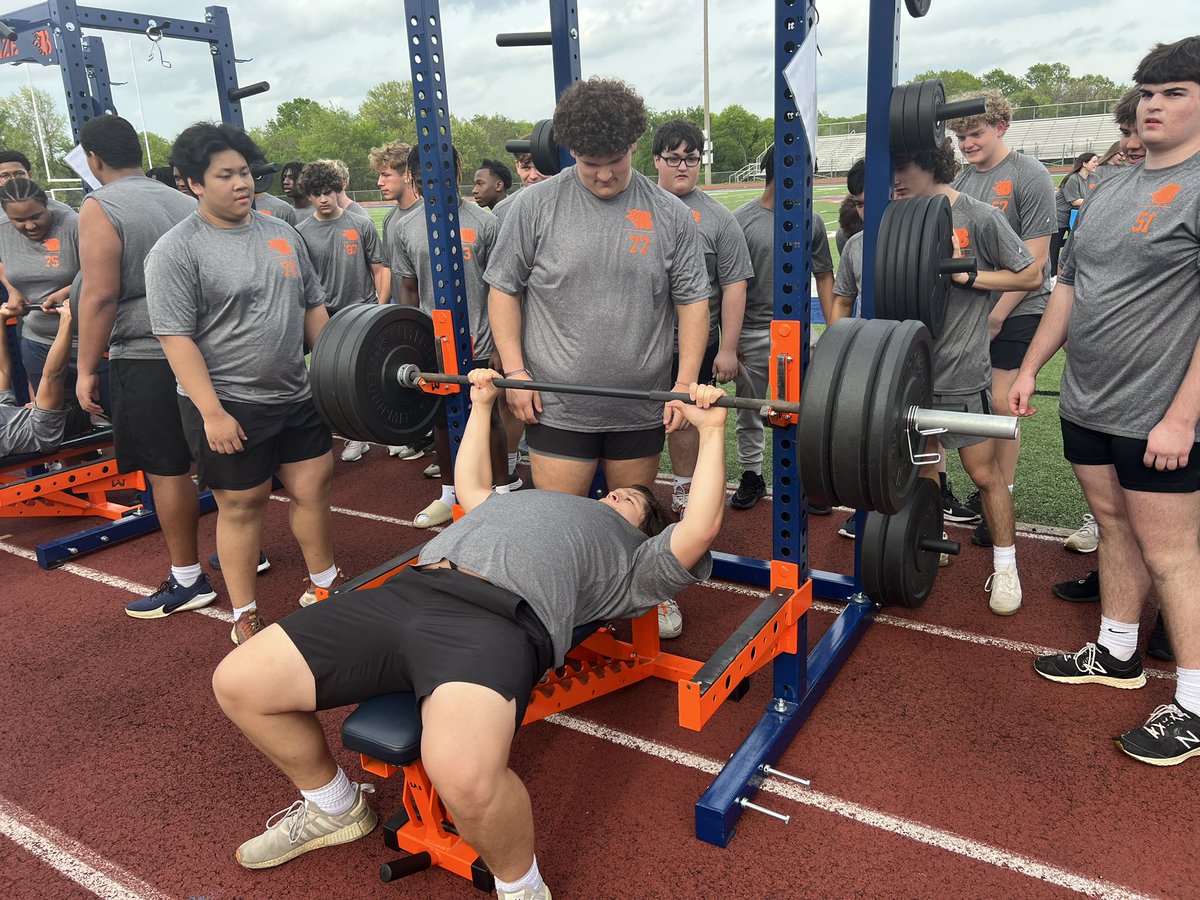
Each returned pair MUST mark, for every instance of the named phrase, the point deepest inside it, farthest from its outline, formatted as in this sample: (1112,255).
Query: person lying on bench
(38,427)
(470,628)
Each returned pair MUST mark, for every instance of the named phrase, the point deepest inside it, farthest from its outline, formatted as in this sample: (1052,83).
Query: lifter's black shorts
(421,629)
(1087,447)
(275,434)
(1009,346)
(147,428)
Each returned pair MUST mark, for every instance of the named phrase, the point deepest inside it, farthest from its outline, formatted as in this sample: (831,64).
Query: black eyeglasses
(673,161)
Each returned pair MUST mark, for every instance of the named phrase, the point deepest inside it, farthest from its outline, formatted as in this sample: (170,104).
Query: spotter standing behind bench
(470,629)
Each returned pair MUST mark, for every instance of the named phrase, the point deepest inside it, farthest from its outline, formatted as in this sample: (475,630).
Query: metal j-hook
(154,33)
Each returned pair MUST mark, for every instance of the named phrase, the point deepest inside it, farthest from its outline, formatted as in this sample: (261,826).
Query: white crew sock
(1118,638)
(324,579)
(1010,488)
(239,611)
(448,495)
(186,576)
(531,881)
(512,463)
(1187,689)
(1004,556)
(334,798)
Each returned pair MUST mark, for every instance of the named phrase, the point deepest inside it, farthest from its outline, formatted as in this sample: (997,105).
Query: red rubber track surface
(940,763)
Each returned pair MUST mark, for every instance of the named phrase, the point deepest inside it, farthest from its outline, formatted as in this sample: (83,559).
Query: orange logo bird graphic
(1166,194)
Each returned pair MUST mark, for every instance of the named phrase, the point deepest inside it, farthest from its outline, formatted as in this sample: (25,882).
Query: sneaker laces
(1156,725)
(1089,525)
(295,816)
(1001,579)
(1085,660)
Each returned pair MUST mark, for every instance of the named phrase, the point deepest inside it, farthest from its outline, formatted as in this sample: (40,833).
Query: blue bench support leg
(718,810)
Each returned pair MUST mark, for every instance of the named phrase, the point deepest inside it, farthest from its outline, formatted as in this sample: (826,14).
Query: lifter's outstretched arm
(692,537)
(473,465)
(50,390)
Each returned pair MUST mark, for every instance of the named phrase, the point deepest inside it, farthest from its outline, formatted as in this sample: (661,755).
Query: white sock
(1004,556)
(1187,689)
(186,576)
(1010,488)
(512,462)
(501,488)
(531,881)
(1118,638)
(448,495)
(239,611)
(324,579)
(335,798)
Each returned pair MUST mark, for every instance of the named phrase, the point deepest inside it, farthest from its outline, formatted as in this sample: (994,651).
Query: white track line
(131,587)
(956,634)
(70,858)
(925,834)
(374,517)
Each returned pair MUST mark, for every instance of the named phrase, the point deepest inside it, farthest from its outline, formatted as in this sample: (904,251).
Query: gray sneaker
(303,827)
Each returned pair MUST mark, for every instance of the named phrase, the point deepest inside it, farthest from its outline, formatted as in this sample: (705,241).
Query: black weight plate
(888,299)
(358,364)
(930,100)
(940,223)
(906,261)
(322,371)
(813,453)
(925,246)
(917,8)
(852,434)
(543,148)
(904,379)
(896,119)
(895,570)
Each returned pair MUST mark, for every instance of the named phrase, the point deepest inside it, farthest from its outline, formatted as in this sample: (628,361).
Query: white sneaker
(670,619)
(397,449)
(1005,588)
(1086,538)
(436,513)
(679,498)
(433,470)
(354,450)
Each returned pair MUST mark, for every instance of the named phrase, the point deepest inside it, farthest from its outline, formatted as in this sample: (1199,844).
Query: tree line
(306,129)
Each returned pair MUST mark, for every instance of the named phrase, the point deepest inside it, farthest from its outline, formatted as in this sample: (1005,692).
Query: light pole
(707,149)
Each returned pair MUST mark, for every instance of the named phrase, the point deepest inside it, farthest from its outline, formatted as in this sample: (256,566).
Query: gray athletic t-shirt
(601,279)
(1020,187)
(391,237)
(357,210)
(500,210)
(141,211)
(343,250)
(573,560)
(241,295)
(1075,186)
(849,274)
(726,256)
(477,231)
(39,268)
(758,224)
(1135,321)
(28,429)
(270,205)
(961,361)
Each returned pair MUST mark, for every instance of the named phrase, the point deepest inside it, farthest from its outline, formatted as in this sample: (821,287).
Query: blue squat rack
(801,678)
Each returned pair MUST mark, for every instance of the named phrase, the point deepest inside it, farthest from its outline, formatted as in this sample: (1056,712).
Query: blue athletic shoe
(172,597)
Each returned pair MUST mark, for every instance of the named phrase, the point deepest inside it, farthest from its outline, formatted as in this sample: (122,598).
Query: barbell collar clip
(770,770)
(746,804)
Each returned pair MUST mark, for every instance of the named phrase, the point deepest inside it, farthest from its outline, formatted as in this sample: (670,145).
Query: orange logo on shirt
(282,247)
(350,234)
(52,244)
(1166,194)
(279,245)
(266,212)
(1003,188)
(640,219)
(696,215)
(964,238)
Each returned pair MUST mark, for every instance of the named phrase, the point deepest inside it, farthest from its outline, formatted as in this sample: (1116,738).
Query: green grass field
(1047,492)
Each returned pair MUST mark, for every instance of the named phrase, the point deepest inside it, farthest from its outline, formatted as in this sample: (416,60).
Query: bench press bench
(79,488)
(386,730)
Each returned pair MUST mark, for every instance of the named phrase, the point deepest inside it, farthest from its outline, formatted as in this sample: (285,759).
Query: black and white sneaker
(1092,665)
(954,510)
(847,529)
(1170,735)
(752,489)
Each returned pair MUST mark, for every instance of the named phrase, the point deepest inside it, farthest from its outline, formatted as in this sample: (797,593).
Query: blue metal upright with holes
(440,184)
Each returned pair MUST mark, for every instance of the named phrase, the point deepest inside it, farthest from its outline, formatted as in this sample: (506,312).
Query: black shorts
(590,446)
(418,630)
(1087,447)
(275,434)
(147,429)
(706,365)
(1008,348)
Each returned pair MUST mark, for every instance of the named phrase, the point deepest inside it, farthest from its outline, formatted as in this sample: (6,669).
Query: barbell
(374,372)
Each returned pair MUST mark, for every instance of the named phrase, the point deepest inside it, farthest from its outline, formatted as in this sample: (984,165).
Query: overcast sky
(334,53)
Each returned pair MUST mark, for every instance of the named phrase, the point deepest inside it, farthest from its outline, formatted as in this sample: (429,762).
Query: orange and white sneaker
(670,619)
